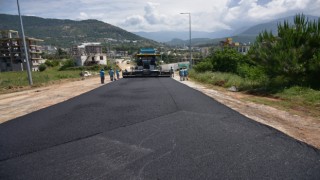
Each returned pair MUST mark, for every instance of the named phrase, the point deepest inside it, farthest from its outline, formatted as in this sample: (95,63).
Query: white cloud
(134,20)
(252,12)
(157,15)
(152,15)
(83,15)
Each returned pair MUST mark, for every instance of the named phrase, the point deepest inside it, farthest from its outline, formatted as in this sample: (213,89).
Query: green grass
(225,80)
(299,100)
(13,80)
(301,97)
(296,93)
(305,101)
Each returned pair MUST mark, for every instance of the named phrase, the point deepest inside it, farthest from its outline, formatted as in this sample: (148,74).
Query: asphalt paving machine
(146,65)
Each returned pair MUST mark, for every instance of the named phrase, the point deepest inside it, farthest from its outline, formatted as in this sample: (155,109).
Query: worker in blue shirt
(181,74)
(102,76)
(185,73)
(111,73)
(117,73)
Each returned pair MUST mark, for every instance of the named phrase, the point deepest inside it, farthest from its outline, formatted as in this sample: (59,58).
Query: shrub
(42,67)
(203,66)
(253,73)
(52,63)
(67,64)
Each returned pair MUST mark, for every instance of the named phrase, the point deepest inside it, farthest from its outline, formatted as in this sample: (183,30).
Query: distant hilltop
(64,33)
(243,35)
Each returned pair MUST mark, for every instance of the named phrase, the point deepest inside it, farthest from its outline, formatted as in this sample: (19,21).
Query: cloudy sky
(164,15)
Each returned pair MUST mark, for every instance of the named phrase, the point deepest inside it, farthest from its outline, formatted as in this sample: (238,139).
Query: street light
(25,47)
(190,61)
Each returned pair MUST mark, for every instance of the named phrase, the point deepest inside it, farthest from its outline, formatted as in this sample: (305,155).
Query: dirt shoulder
(303,128)
(17,104)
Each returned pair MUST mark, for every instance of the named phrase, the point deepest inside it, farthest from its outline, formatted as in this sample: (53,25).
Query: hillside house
(240,47)
(12,52)
(89,54)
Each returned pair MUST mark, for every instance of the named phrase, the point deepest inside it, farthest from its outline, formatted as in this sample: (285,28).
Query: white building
(88,54)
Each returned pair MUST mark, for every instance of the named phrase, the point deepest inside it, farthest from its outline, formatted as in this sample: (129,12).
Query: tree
(168,58)
(61,54)
(294,55)
(225,60)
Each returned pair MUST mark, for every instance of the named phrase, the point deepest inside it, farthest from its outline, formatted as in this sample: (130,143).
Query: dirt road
(306,129)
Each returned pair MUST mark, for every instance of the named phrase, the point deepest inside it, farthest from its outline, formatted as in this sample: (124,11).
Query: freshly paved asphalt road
(152,128)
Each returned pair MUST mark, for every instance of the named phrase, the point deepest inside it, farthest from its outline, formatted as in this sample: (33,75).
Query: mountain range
(243,35)
(65,33)
(165,36)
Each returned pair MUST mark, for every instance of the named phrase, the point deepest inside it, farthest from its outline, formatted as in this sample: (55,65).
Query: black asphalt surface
(148,128)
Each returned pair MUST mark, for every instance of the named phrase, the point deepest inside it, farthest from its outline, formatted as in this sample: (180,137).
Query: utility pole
(25,48)
(190,51)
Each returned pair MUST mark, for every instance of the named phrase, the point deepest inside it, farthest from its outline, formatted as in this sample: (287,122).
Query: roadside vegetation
(53,71)
(19,80)
(285,67)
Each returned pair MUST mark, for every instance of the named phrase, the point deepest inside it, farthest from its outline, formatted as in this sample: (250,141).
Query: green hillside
(64,33)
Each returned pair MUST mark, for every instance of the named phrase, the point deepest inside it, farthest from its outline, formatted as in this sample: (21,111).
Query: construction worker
(171,72)
(102,76)
(111,73)
(185,73)
(117,73)
(181,74)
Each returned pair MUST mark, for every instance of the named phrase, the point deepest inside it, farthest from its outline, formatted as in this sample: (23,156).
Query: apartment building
(12,52)
(88,54)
